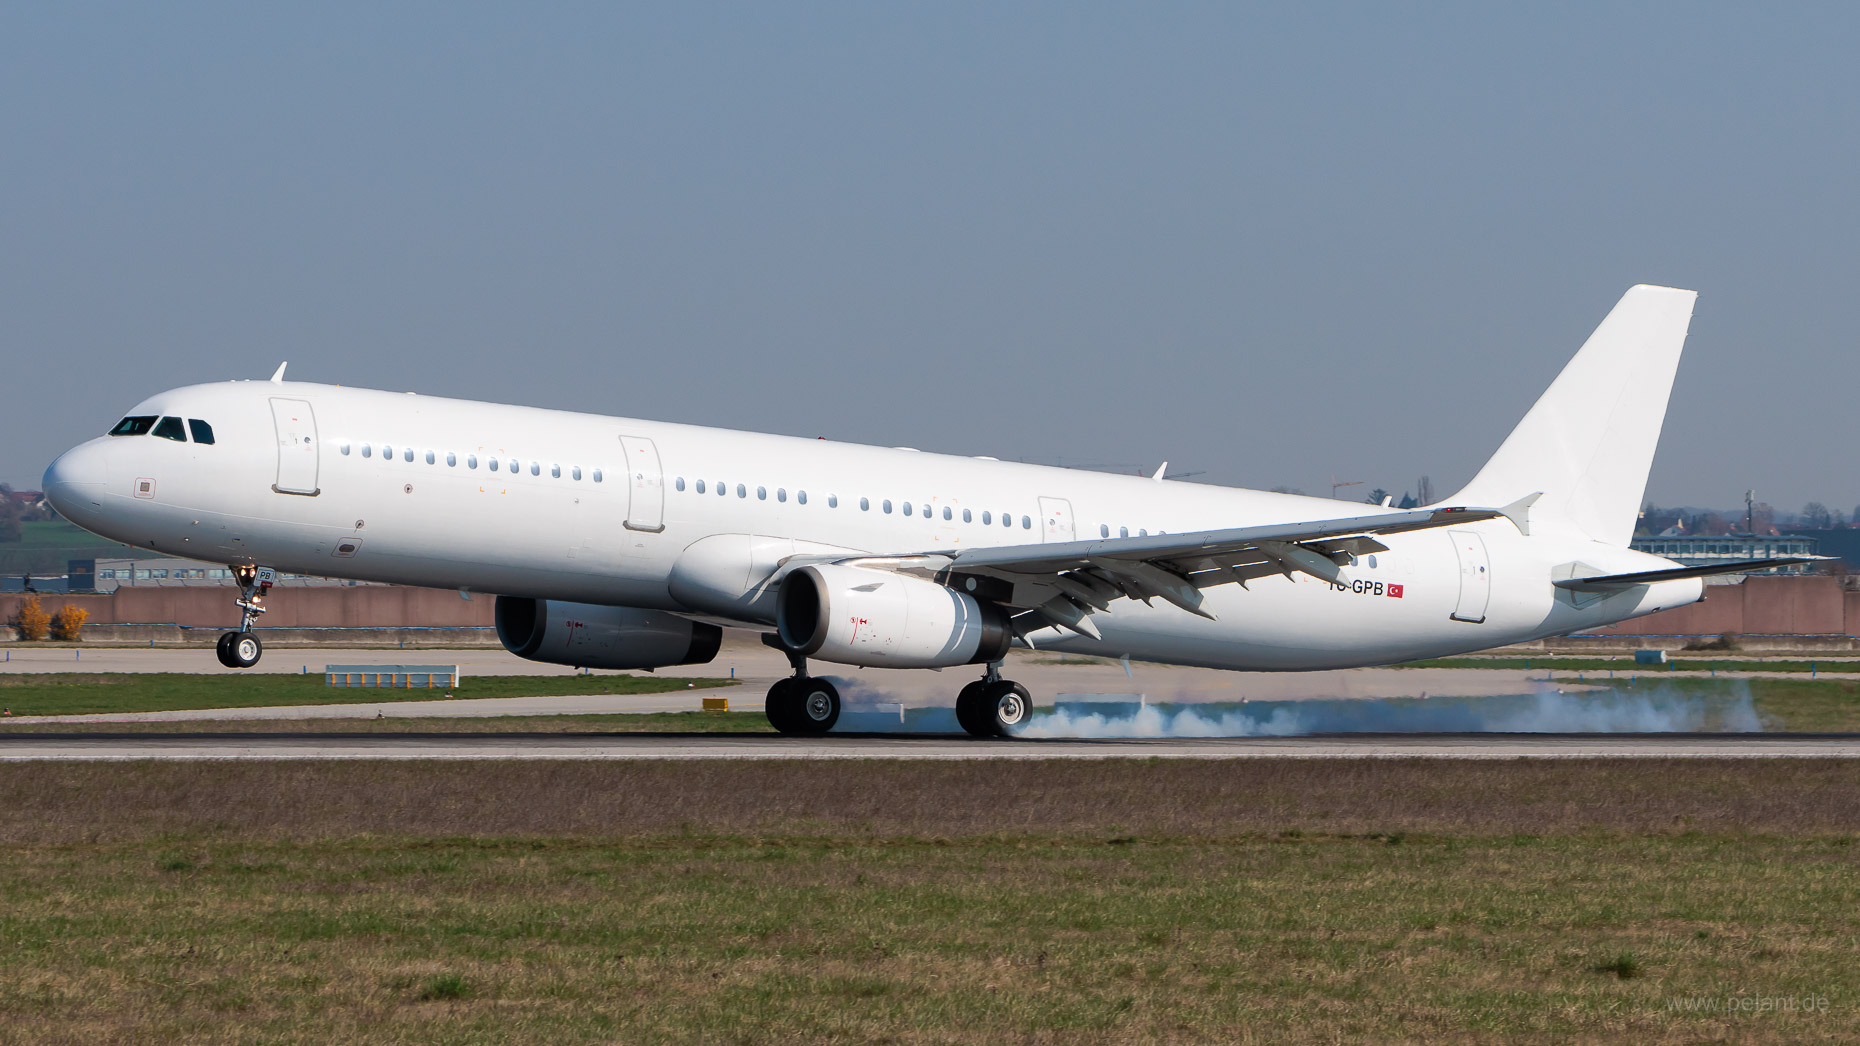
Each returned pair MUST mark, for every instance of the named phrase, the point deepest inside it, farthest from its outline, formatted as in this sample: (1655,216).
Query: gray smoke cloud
(1659,708)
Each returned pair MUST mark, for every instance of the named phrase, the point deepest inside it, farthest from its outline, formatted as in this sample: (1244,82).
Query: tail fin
(1588,442)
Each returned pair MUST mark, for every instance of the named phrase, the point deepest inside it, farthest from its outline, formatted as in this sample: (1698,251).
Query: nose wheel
(242,649)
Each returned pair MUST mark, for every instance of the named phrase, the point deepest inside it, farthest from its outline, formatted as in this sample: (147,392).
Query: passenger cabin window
(597,475)
(367,451)
(781,493)
(967,517)
(136,426)
(574,472)
(471,460)
(432,458)
(742,491)
(535,468)
(988,519)
(887,506)
(762,493)
(555,472)
(452,460)
(865,505)
(203,432)
(700,486)
(492,463)
(833,501)
(946,513)
(171,428)
(1026,523)
(1104,530)
(407,455)
(800,497)
(677,484)
(345,450)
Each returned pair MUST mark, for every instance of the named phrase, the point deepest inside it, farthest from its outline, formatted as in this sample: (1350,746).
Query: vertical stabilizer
(1588,443)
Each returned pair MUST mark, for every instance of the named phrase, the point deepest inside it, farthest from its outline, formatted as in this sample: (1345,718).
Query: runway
(201,746)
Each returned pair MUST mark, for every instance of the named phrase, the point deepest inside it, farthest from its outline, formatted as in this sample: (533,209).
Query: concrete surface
(728,746)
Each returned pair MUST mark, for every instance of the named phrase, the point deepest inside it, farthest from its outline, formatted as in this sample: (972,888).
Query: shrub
(32,621)
(68,621)
(1625,966)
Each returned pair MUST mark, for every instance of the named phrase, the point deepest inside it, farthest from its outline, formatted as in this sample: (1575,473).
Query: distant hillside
(48,545)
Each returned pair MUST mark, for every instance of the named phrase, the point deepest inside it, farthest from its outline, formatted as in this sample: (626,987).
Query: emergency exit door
(295,424)
(1056,520)
(645,485)
(1475,576)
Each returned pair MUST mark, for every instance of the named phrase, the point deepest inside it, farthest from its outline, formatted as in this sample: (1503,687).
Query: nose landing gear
(242,649)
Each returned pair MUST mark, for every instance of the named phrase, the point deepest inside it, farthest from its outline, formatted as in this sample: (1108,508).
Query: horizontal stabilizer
(1648,577)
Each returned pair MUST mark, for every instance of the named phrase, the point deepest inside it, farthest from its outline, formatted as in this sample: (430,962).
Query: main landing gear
(992,706)
(802,704)
(242,649)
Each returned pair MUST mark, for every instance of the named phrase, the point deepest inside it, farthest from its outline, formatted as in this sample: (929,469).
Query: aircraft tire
(244,650)
(815,705)
(1007,706)
(780,706)
(971,713)
(225,649)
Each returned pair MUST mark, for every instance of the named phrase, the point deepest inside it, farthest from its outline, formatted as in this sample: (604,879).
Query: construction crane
(1336,484)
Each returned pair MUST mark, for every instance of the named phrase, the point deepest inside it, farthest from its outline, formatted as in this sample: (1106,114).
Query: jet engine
(588,636)
(875,618)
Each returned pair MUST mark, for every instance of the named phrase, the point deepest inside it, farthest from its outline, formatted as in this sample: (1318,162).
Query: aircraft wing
(1063,583)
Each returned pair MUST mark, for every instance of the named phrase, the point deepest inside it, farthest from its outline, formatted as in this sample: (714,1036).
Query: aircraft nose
(75,483)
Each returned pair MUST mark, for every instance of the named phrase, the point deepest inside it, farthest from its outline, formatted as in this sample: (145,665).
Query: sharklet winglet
(277,378)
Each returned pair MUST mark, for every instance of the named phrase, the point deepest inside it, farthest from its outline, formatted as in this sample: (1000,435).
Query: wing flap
(1648,577)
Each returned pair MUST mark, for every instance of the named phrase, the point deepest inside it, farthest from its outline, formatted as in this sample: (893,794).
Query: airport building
(1701,550)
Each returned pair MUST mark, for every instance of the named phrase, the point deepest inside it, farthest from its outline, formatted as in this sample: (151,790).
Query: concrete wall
(1762,606)
(373,606)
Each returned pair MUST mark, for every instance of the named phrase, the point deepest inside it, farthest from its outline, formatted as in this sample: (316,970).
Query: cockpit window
(171,428)
(203,432)
(135,426)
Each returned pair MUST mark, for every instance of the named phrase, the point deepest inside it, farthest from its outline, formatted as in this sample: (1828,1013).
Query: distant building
(1707,550)
(106,575)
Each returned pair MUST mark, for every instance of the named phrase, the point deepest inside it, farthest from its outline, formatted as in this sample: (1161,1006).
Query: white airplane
(620,543)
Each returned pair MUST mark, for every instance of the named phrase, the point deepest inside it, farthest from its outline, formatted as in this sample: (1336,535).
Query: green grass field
(1303,901)
(1624,665)
(77,693)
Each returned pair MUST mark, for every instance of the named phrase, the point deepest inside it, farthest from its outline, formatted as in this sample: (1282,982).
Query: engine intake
(589,636)
(875,618)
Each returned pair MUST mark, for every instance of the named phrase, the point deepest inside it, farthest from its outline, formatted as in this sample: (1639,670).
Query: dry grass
(923,902)
(55,803)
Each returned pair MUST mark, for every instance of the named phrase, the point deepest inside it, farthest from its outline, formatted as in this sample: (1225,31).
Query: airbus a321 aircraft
(625,544)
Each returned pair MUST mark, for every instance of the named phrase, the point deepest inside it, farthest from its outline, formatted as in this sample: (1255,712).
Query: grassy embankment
(78,693)
(1117,901)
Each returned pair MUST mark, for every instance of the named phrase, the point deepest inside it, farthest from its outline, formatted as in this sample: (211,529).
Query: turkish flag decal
(1395,590)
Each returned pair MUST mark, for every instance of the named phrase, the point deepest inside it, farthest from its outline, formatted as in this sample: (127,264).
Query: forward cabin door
(297,449)
(1056,520)
(645,485)
(1475,576)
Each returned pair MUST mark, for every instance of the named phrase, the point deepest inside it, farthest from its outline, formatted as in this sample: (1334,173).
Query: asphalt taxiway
(197,746)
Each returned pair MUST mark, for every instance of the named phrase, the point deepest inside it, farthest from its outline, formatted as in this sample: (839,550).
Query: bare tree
(1817,516)
(1424,491)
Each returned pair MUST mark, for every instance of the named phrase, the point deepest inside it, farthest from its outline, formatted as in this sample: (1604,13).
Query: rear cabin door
(1056,520)
(1475,576)
(645,485)
(297,450)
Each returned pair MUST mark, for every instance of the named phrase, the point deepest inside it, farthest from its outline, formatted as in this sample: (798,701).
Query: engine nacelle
(588,636)
(875,618)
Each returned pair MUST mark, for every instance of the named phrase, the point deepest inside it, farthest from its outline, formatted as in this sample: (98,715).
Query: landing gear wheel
(816,705)
(971,713)
(1008,705)
(225,648)
(780,706)
(996,709)
(243,651)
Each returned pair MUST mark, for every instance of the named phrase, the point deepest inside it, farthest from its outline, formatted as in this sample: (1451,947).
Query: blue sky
(1271,244)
